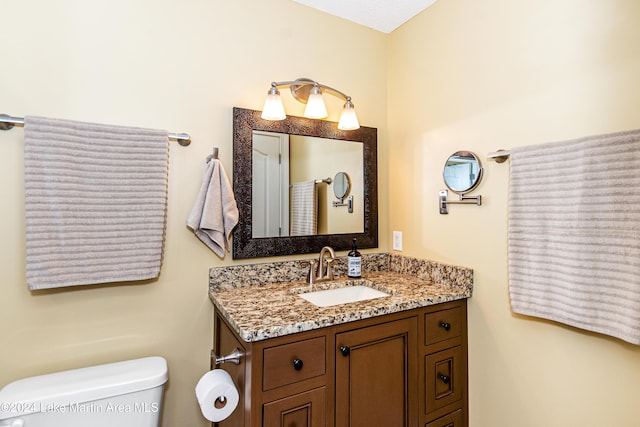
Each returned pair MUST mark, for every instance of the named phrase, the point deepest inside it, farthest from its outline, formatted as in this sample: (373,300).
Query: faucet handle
(311,274)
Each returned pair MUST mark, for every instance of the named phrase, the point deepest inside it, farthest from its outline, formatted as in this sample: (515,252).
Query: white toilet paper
(217,395)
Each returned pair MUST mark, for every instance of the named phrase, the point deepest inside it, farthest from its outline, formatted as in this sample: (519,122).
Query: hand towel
(96,199)
(214,213)
(574,233)
(304,209)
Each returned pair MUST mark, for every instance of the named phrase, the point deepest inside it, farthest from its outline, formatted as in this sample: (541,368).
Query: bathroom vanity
(397,360)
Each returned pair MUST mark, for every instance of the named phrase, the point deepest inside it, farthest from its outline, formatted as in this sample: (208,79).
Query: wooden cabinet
(444,363)
(403,369)
(373,375)
(282,381)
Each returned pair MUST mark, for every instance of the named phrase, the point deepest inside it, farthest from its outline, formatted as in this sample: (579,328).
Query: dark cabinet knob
(444,378)
(297,364)
(446,326)
(344,350)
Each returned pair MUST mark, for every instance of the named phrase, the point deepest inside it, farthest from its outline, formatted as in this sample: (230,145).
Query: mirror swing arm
(349,203)
(443,201)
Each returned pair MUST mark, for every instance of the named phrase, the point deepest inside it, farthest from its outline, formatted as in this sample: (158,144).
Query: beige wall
(320,158)
(175,65)
(484,75)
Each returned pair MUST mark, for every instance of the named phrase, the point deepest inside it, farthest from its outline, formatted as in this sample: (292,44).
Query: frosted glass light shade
(315,105)
(273,108)
(348,118)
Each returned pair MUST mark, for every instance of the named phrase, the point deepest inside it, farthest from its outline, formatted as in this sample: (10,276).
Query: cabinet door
(375,375)
(300,410)
(454,419)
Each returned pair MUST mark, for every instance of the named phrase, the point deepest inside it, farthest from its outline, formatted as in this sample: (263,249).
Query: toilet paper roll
(217,395)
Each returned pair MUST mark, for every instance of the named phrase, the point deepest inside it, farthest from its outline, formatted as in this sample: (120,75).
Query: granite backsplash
(260,274)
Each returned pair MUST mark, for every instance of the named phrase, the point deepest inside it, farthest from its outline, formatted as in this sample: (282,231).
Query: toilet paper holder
(233,357)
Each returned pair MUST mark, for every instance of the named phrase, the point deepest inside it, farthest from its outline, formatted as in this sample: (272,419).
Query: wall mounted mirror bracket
(464,200)
(349,204)
(341,187)
(462,173)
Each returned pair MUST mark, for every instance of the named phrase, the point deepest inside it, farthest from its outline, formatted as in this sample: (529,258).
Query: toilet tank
(123,394)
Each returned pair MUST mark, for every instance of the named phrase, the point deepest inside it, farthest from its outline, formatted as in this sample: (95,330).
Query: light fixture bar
(304,89)
(308,82)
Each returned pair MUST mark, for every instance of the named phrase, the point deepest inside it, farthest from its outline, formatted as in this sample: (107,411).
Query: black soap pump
(354,262)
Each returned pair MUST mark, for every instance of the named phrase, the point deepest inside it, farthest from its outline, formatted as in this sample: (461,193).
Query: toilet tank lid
(61,389)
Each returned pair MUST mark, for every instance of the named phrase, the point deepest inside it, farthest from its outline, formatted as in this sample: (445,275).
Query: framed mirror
(249,244)
(462,172)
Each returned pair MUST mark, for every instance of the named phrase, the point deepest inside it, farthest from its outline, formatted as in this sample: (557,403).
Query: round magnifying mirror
(462,172)
(341,185)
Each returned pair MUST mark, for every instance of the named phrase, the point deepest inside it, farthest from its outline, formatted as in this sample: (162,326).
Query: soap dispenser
(354,269)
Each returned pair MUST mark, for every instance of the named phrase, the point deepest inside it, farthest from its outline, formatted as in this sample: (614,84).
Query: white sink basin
(342,295)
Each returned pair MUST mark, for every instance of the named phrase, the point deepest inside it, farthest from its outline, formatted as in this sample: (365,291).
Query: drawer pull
(444,378)
(446,326)
(297,364)
(344,350)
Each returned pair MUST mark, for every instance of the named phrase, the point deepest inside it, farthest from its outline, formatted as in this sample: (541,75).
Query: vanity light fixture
(309,92)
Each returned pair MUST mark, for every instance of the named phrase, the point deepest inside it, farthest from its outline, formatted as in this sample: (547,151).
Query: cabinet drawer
(444,379)
(442,325)
(290,363)
(453,419)
(304,410)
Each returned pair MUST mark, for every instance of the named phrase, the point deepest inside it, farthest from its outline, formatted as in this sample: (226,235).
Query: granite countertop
(261,310)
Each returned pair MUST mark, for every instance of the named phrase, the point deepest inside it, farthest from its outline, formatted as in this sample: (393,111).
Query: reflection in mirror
(462,172)
(290,195)
(315,150)
(341,185)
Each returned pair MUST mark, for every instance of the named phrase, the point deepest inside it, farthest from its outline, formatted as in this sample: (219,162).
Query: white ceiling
(381,15)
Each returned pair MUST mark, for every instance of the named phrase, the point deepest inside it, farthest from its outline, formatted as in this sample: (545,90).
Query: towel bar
(499,156)
(7,122)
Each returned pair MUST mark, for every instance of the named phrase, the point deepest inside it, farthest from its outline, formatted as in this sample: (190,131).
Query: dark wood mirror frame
(244,245)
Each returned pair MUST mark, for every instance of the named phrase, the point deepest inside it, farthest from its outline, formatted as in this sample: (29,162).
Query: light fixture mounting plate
(301,91)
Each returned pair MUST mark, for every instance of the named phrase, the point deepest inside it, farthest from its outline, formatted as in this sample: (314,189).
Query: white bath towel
(214,213)
(574,233)
(304,209)
(96,198)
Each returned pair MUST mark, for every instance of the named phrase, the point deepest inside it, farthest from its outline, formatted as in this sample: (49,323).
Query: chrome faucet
(320,273)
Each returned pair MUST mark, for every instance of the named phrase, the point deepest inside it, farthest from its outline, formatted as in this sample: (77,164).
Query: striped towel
(574,233)
(215,212)
(304,209)
(96,200)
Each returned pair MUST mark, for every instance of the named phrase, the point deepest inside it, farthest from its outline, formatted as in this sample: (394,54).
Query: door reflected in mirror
(284,164)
